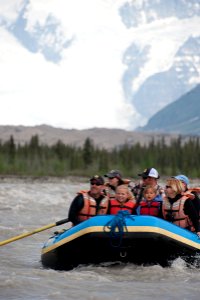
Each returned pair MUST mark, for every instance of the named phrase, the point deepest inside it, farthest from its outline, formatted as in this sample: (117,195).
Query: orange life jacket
(177,211)
(116,206)
(194,189)
(90,207)
(149,208)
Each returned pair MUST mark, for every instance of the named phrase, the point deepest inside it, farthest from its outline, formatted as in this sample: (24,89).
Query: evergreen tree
(88,151)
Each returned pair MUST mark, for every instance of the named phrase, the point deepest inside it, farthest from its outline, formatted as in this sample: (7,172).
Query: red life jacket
(116,206)
(149,208)
(90,207)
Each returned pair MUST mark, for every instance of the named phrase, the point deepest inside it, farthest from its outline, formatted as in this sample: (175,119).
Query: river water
(26,205)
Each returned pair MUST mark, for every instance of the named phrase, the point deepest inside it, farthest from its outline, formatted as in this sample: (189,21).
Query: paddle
(21,236)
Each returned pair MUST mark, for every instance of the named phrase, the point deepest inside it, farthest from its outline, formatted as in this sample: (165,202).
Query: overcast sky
(43,80)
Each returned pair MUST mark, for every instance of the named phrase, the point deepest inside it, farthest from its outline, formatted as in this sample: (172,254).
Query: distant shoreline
(76,179)
(20,178)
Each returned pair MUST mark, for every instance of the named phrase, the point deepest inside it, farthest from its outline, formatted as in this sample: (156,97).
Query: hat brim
(146,176)
(111,176)
(143,175)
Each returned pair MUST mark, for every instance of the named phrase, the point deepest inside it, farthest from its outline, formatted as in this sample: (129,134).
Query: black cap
(150,172)
(114,174)
(97,179)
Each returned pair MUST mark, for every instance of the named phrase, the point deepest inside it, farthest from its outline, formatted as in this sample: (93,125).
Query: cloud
(72,76)
(84,89)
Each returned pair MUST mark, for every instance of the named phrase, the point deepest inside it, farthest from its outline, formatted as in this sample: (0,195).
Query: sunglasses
(95,182)
(168,186)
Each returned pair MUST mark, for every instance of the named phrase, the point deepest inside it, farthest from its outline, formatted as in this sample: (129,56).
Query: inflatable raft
(120,238)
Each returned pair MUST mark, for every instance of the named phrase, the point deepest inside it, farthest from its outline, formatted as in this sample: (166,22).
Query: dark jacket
(76,205)
(196,202)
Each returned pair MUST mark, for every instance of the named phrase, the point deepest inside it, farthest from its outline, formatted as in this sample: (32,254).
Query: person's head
(123,193)
(149,176)
(96,185)
(114,177)
(150,192)
(184,179)
(173,187)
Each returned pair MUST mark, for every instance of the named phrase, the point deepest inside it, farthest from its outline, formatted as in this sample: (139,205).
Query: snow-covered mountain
(153,78)
(132,57)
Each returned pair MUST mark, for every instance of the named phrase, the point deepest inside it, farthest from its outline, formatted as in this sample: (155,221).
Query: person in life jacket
(149,205)
(194,191)
(114,180)
(149,176)
(178,207)
(90,203)
(123,200)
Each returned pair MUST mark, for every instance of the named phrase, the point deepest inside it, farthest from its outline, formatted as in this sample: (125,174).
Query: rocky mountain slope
(101,137)
(181,116)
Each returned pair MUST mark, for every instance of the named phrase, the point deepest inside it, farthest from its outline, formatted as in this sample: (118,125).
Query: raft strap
(117,226)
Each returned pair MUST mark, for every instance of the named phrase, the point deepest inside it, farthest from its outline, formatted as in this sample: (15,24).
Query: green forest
(61,160)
